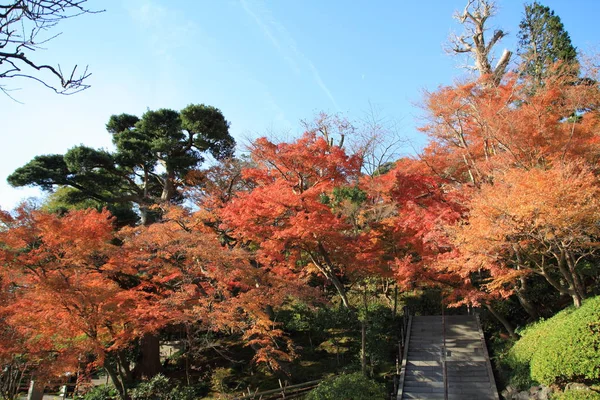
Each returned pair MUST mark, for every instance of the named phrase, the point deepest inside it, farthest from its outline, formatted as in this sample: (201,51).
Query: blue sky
(265,64)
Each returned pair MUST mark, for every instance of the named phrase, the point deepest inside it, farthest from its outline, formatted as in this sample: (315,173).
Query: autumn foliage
(74,289)
(504,195)
(287,216)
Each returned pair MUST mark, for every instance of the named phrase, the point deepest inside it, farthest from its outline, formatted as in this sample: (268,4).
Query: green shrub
(563,348)
(101,392)
(518,359)
(348,387)
(577,395)
(160,388)
(572,351)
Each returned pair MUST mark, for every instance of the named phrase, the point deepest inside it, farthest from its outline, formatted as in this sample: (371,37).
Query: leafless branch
(24,27)
(472,40)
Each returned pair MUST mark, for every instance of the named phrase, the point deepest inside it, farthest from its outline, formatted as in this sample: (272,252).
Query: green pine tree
(543,41)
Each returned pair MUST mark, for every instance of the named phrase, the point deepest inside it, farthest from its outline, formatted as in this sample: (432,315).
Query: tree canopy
(151,158)
(543,41)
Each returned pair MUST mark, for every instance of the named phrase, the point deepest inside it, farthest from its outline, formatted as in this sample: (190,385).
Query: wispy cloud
(168,29)
(281,39)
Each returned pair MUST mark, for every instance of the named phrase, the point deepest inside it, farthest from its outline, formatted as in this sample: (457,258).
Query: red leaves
(67,290)
(285,214)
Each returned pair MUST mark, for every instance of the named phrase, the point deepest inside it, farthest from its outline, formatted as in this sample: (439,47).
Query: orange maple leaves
(74,287)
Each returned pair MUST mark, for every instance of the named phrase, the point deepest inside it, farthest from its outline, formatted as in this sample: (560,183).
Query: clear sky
(265,64)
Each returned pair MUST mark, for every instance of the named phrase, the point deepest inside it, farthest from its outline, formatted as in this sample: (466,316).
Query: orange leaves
(558,204)
(477,129)
(70,287)
(526,219)
(309,162)
(285,214)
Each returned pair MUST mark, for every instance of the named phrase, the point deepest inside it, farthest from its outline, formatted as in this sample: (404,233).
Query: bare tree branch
(24,27)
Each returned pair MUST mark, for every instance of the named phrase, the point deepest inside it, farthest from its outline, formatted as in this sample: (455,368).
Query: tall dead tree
(473,41)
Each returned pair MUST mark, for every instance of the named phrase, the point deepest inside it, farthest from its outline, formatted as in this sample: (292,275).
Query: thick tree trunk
(169,186)
(148,363)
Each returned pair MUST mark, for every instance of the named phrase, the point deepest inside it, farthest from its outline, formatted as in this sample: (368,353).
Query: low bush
(100,392)
(577,395)
(348,387)
(160,388)
(564,348)
(571,353)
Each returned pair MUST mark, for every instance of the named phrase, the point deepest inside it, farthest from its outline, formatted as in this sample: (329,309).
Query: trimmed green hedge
(564,348)
(577,395)
(348,387)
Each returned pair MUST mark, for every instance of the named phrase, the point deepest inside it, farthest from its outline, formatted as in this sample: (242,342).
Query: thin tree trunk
(124,365)
(564,270)
(363,347)
(579,286)
(526,304)
(395,300)
(117,382)
(507,325)
(328,273)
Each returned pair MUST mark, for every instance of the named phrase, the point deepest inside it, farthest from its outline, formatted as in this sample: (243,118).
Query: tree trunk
(395,301)
(577,282)
(363,329)
(527,306)
(507,325)
(114,377)
(340,288)
(148,362)
(525,303)
(330,275)
(36,390)
(363,347)
(124,366)
(169,186)
(566,273)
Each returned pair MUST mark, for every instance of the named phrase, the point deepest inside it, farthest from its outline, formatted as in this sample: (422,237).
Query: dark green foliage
(43,171)
(426,302)
(153,155)
(101,392)
(66,198)
(161,388)
(543,41)
(564,348)
(381,331)
(348,387)
(352,194)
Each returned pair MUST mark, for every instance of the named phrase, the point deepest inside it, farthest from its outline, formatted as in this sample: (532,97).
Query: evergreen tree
(153,154)
(543,41)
